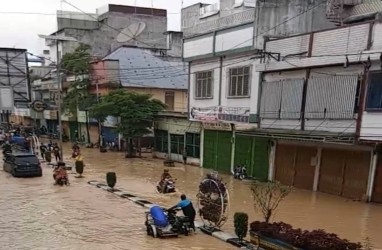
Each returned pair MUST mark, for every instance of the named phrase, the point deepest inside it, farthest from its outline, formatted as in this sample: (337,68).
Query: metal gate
(344,172)
(217,150)
(293,165)
(377,189)
(252,152)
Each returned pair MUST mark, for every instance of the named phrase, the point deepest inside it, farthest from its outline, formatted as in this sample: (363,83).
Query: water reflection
(38,215)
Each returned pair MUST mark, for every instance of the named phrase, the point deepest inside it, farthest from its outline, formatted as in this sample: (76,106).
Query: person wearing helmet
(165,176)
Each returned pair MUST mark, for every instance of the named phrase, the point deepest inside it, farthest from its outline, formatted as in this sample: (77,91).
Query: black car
(22,165)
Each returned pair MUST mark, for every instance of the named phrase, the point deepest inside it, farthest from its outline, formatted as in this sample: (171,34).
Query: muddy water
(37,215)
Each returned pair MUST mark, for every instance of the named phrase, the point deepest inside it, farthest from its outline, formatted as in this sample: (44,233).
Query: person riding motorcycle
(59,173)
(187,209)
(164,178)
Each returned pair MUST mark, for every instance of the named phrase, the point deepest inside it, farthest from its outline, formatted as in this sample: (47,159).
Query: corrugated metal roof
(142,68)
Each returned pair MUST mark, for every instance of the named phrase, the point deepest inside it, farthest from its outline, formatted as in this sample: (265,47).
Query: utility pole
(57,40)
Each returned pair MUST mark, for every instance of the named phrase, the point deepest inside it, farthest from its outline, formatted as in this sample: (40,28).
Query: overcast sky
(21,30)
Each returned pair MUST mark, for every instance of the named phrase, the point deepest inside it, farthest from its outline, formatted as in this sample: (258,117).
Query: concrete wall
(275,13)
(102,37)
(180,96)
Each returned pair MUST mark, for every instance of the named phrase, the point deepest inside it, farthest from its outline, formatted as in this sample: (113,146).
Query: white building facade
(223,42)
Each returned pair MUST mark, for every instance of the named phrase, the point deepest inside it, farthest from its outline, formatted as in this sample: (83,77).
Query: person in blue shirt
(187,209)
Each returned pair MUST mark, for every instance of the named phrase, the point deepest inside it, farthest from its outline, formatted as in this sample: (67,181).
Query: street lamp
(58,39)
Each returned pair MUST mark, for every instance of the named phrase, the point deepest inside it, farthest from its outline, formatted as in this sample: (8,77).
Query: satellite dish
(131,32)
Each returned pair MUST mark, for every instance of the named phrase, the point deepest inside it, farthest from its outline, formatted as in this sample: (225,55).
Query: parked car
(21,164)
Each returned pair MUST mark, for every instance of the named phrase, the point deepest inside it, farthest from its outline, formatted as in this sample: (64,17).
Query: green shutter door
(217,150)
(253,152)
(209,149)
(260,159)
(224,152)
(244,152)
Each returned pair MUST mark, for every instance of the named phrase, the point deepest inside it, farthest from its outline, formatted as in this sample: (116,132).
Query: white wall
(198,46)
(234,38)
(247,102)
(252,101)
(205,66)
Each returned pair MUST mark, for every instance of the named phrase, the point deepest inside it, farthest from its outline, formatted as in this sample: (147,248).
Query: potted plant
(241,225)
(111,179)
(79,167)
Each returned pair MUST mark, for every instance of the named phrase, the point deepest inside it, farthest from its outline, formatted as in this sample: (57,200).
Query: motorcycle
(180,224)
(240,172)
(174,226)
(169,186)
(62,181)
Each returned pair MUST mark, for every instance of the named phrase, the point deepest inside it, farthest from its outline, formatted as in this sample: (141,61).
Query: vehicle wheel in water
(154,231)
(186,230)
(148,230)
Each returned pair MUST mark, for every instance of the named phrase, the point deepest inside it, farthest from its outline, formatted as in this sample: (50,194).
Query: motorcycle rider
(165,176)
(59,172)
(187,209)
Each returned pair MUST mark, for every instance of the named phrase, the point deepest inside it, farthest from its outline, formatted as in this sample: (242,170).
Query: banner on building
(219,113)
(217,126)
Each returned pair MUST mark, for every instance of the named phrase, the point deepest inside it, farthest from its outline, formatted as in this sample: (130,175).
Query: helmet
(166,170)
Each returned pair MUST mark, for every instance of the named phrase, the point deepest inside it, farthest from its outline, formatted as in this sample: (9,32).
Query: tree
(78,65)
(267,197)
(135,112)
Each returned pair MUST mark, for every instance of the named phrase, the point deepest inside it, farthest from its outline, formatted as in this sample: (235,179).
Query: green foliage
(77,95)
(77,63)
(136,111)
(111,179)
(241,225)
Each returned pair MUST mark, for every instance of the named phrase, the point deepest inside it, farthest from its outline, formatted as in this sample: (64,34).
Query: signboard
(217,126)
(219,113)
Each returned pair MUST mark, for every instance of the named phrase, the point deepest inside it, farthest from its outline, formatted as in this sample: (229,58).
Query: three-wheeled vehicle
(165,223)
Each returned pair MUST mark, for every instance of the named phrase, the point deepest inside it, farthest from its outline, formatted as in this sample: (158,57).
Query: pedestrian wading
(79,168)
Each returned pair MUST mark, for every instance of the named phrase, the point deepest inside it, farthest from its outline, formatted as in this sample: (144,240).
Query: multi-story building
(222,43)
(320,104)
(152,72)
(109,28)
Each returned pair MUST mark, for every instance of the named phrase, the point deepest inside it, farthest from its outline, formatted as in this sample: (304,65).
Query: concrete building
(321,109)
(153,72)
(223,42)
(109,28)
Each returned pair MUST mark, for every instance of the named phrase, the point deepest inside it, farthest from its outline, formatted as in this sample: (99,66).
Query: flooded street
(37,215)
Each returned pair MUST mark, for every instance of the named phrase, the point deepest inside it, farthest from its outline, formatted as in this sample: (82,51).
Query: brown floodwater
(37,215)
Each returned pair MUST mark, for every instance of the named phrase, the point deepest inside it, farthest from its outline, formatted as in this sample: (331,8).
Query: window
(203,86)
(193,145)
(239,82)
(374,93)
(169,100)
(177,144)
(161,141)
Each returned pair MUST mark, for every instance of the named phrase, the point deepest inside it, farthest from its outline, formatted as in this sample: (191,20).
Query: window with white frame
(203,85)
(239,82)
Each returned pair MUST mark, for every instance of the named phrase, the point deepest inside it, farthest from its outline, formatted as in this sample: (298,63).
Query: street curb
(216,233)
